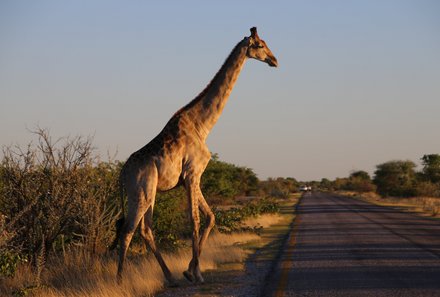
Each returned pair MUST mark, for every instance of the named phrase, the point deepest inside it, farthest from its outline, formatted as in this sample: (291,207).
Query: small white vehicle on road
(305,188)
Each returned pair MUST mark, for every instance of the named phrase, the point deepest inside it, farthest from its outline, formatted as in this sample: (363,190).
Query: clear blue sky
(358,82)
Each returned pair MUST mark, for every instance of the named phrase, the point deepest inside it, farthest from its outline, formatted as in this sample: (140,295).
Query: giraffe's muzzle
(272,61)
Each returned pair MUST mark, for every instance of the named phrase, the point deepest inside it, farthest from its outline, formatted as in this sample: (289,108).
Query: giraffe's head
(259,50)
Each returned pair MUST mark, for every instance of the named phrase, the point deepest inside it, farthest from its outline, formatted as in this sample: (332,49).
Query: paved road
(344,247)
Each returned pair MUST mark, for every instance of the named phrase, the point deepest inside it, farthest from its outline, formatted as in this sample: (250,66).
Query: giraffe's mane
(206,89)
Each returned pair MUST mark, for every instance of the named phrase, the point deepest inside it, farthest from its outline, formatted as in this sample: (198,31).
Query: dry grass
(428,206)
(80,274)
(265,220)
(431,205)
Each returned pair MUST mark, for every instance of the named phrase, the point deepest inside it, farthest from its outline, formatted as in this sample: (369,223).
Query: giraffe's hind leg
(147,235)
(135,213)
(210,221)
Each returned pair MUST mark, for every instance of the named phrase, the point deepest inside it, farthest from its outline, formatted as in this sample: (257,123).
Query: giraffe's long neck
(207,107)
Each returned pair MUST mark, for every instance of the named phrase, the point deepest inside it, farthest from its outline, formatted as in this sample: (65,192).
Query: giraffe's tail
(120,222)
(119,225)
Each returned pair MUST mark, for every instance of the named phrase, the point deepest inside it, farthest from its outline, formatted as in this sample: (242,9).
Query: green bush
(360,181)
(224,180)
(396,178)
(171,221)
(231,219)
(9,261)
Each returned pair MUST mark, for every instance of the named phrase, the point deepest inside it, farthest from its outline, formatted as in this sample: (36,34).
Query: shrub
(226,180)
(340,183)
(9,261)
(279,187)
(360,181)
(427,189)
(171,222)
(53,194)
(395,178)
(231,219)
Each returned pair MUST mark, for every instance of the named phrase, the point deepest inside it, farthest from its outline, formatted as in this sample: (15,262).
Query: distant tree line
(398,178)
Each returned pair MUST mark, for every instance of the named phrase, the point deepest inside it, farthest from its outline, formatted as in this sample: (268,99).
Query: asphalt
(340,246)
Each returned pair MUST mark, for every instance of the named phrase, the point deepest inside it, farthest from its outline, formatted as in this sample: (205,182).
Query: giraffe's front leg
(193,273)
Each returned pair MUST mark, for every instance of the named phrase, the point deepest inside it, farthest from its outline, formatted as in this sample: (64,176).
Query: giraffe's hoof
(189,276)
(199,279)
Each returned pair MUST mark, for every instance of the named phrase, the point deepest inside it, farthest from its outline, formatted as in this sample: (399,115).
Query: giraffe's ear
(254,33)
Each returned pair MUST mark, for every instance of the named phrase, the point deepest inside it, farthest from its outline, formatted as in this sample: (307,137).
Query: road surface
(345,247)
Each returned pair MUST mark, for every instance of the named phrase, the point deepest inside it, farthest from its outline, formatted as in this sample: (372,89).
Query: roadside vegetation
(396,183)
(59,201)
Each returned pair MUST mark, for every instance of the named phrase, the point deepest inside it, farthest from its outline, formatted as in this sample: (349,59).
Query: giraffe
(178,155)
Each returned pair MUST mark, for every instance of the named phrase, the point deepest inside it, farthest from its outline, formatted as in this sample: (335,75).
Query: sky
(358,82)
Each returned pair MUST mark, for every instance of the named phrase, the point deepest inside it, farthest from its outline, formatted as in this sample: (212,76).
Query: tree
(431,167)
(325,184)
(360,181)
(395,178)
(224,180)
(340,183)
(360,174)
